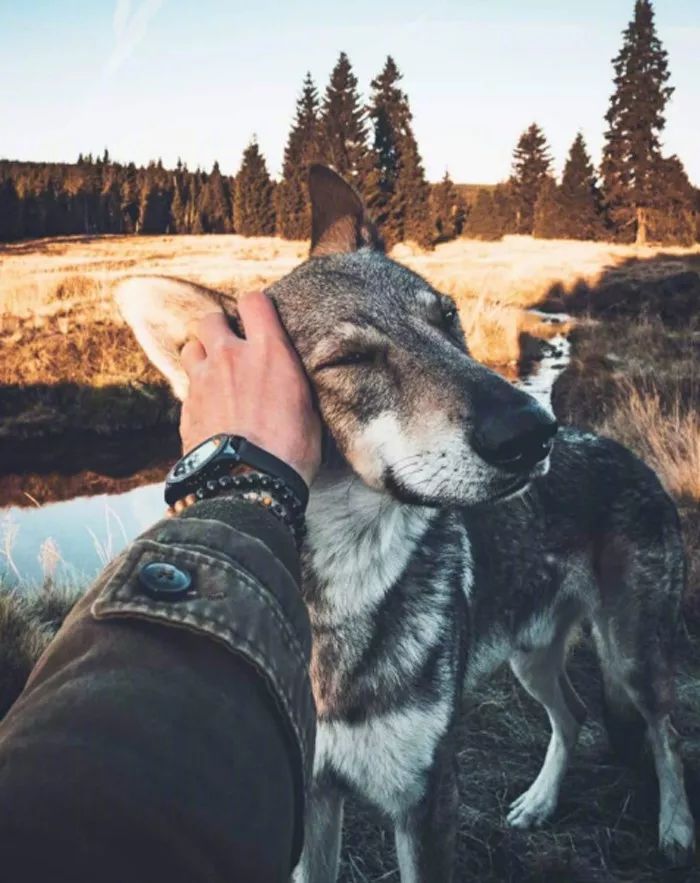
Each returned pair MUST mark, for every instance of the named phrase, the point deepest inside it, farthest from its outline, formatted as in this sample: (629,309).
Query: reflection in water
(72,540)
(104,504)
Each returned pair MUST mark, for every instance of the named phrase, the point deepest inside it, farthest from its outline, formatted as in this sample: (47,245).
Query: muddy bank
(84,464)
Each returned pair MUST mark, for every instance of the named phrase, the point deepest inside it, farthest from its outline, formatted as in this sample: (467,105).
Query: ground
(68,359)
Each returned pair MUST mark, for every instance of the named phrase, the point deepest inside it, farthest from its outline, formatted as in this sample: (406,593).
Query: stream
(66,526)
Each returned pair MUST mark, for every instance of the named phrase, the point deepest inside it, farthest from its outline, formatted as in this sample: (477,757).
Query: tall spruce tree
(635,118)
(531,165)
(343,125)
(253,204)
(573,209)
(397,193)
(303,148)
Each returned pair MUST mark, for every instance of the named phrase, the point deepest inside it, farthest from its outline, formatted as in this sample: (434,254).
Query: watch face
(196,458)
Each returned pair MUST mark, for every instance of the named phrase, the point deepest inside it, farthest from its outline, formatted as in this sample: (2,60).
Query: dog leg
(639,675)
(322,836)
(541,672)
(426,834)
(676,825)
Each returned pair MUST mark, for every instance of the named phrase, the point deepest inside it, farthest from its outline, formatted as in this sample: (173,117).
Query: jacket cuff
(240,594)
(254,521)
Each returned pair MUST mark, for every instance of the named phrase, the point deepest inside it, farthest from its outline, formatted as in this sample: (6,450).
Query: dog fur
(426,568)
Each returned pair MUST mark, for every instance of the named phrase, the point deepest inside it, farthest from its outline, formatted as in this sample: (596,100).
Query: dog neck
(359,542)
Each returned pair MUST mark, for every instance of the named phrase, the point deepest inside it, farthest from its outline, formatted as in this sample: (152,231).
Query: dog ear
(339,221)
(162,313)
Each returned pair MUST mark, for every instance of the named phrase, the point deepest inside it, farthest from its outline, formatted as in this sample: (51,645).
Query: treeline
(101,196)
(638,194)
(371,145)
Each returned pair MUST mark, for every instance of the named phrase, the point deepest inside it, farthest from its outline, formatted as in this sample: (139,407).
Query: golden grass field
(62,283)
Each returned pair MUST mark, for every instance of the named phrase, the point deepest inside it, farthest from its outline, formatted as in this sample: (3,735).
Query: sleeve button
(164,581)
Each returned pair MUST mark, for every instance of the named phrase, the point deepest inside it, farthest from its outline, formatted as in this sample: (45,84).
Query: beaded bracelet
(253,487)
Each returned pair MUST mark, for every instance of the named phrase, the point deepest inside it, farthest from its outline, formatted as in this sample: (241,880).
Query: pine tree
(674,217)
(398,195)
(303,148)
(155,199)
(253,206)
(129,200)
(215,203)
(448,210)
(181,195)
(531,164)
(572,210)
(195,223)
(9,211)
(549,220)
(635,120)
(344,126)
(579,195)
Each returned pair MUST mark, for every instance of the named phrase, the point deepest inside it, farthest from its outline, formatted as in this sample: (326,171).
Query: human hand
(254,387)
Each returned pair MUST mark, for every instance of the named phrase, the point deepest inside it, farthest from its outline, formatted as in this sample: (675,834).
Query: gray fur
(426,567)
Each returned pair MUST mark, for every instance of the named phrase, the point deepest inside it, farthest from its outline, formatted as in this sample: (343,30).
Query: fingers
(191,355)
(213,332)
(259,317)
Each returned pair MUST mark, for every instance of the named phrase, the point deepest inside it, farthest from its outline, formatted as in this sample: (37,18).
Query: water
(94,515)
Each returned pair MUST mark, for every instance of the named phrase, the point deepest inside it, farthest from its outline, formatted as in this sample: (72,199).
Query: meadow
(68,362)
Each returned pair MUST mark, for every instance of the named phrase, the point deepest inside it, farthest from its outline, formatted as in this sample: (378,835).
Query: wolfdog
(451,529)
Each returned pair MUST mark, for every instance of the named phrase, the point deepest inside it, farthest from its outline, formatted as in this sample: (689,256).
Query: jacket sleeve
(168,730)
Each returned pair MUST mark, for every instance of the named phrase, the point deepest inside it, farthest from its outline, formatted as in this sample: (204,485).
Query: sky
(196,80)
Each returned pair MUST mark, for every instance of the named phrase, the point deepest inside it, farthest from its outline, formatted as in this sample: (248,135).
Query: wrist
(253,488)
(220,456)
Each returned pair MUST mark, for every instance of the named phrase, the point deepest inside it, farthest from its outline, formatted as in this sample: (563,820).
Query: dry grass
(521,271)
(667,438)
(59,322)
(518,271)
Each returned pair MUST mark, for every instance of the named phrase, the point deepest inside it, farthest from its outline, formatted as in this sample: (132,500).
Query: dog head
(406,406)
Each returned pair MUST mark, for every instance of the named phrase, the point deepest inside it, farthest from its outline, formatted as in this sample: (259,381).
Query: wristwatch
(218,456)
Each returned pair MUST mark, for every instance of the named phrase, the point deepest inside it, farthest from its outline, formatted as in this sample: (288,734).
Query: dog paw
(677,841)
(534,807)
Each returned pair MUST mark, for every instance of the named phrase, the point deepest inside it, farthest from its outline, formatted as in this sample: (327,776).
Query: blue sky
(171,78)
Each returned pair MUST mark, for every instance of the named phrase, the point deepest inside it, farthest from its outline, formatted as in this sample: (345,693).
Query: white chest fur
(359,542)
(387,757)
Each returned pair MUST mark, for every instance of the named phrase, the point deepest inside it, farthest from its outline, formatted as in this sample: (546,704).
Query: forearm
(180,730)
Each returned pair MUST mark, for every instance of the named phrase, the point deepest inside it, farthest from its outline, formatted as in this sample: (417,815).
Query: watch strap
(236,451)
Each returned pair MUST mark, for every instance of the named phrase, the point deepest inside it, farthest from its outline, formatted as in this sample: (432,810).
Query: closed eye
(354,357)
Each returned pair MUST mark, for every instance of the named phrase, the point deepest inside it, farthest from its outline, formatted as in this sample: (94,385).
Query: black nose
(515,439)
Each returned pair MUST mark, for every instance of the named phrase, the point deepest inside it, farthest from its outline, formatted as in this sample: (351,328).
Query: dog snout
(515,439)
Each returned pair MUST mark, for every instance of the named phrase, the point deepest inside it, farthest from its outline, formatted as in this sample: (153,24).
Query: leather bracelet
(258,488)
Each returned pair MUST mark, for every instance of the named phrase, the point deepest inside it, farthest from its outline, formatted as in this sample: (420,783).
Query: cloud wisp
(130,23)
